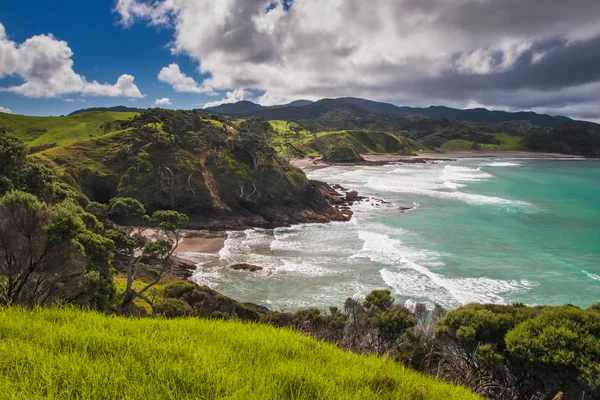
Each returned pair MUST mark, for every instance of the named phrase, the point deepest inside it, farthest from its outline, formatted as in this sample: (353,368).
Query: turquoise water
(480,231)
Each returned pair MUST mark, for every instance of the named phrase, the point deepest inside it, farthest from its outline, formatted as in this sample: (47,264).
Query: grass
(72,354)
(457,144)
(38,131)
(509,142)
(89,154)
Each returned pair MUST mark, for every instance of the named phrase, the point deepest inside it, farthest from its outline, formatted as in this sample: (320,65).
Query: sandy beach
(478,154)
(306,163)
(194,242)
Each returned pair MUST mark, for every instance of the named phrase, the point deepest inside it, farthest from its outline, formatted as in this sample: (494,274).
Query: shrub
(183,290)
(172,308)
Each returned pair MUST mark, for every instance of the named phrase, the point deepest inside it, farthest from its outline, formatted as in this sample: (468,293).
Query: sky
(539,55)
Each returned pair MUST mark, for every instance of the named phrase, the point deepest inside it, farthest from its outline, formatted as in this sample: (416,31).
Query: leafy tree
(562,346)
(19,173)
(255,137)
(391,326)
(133,245)
(379,299)
(41,261)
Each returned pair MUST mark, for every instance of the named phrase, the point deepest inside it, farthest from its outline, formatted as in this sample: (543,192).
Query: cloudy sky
(540,55)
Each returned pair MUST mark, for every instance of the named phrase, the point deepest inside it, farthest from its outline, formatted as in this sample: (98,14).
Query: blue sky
(103,50)
(512,55)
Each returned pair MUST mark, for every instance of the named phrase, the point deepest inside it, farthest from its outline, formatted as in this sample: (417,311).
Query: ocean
(479,230)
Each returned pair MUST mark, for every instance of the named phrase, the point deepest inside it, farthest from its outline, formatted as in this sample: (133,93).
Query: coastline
(381,159)
(212,242)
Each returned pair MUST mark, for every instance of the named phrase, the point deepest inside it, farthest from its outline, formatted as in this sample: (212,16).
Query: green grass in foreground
(71,354)
(38,131)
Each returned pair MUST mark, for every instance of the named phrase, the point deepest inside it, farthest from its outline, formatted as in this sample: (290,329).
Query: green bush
(172,308)
(183,290)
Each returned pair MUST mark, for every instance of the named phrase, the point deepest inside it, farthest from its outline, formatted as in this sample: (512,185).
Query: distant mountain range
(309,110)
(108,109)
(305,109)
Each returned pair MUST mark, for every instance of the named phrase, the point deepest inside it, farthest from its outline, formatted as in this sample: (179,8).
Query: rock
(246,267)
(353,196)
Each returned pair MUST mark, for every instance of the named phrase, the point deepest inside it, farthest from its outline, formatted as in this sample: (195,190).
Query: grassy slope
(509,142)
(67,354)
(37,131)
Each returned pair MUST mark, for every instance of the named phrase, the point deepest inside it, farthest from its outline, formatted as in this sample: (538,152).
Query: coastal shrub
(172,308)
(506,351)
(562,345)
(379,299)
(183,290)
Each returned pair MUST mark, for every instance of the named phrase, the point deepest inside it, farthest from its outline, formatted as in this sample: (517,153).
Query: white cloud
(45,65)
(232,97)
(339,46)
(382,49)
(5,110)
(181,82)
(163,102)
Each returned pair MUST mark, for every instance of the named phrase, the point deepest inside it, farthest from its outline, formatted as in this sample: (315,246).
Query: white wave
(593,276)
(455,173)
(476,199)
(504,164)
(453,185)
(210,277)
(407,274)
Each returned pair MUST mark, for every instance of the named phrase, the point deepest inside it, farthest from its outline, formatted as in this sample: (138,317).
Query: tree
(562,347)
(41,261)
(256,138)
(133,245)
(379,299)
(19,173)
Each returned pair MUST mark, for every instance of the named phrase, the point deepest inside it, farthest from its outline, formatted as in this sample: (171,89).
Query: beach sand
(201,242)
(311,164)
(194,242)
(481,154)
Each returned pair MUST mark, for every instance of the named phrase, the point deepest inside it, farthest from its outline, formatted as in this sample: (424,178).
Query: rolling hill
(62,131)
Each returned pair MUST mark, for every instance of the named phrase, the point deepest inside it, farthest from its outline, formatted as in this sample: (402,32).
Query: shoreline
(212,242)
(382,159)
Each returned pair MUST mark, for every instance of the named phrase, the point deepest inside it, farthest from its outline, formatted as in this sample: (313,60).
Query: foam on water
(407,273)
(593,276)
(427,184)
(420,256)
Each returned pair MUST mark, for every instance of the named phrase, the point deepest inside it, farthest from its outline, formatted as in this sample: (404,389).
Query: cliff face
(196,169)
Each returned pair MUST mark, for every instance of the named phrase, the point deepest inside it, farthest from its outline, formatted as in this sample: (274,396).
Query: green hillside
(362,142)
(69,354)
(39,131)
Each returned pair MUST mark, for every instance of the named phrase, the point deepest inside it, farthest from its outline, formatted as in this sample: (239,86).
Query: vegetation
(66,354)
(75,224)
(59,131)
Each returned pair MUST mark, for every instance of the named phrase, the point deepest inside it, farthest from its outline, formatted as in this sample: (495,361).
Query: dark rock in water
(246,267)
(353,196)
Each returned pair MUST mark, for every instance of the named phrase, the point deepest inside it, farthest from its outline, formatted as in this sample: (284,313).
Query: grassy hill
(39,131)
(363,142)
(68,354)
